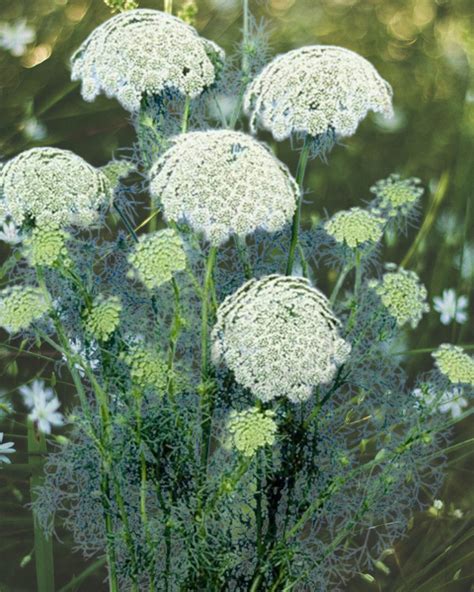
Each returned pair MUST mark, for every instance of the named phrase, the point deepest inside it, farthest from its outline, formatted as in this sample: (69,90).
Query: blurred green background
(425,49)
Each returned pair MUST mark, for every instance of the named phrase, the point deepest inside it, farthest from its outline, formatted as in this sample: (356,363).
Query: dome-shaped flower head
(46,246)
(147,368)
(144,52)
(455,364)
(250,430)
(403,295)
(279,337)
(395,195)
(104,317)
(157,257)
(223,183)
(20,306)
(53,186)
(355,227)
(321,90)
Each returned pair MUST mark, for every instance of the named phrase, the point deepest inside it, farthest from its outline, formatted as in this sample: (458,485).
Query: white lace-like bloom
(52,186)
(355,227)
(403,295)
(6,448)
(16,36)
(35,390)
(144,52)
(45,413)
(455,364)
(320,90)
(250,430)
(450,307)
(223,183)
(20,306)
(395,195)
(279,337)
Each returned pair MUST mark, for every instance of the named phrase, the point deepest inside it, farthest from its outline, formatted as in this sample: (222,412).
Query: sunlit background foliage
(425,49)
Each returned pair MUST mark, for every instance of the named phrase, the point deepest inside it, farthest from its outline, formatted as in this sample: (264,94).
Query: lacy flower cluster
(144,52)
(317,90)
(223,183)
(279,337)
(403,295)
(52,187)
(251,429)
(454,363)
(355,227)
(20,306)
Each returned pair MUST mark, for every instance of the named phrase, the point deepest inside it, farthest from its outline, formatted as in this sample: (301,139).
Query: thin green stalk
(174,335)
(300,174)
(43,544)
(339,283)
(244,256)
(168,6)
(126,222)
(76,580)
(206,388)
(185,120)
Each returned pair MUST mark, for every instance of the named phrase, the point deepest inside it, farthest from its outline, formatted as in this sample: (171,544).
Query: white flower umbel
(44,413)
(451,307)
(5,448)
(53,186)
(279,337)
(223,183)
(320,90)
(35,390)
(144,52)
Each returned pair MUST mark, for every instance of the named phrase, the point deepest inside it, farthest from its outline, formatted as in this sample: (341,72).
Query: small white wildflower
(10,233)
(16,36)
(438,504)
(465,262)
(457,513)
(45,413)
(451,307)
(320,90)
(454,363)
(403,295)
(53,186)
(144,52)
(6,448)
(78,349)
(223,183)
(35,390)
(34,130)
(279,337)
(453,402)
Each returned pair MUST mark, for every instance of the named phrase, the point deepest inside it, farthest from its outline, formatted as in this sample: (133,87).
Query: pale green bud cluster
(222,183)
(121,5)
(147,368)
(355,227)
(104,317)
(157,257)
(279,337)
(403,295)
(188,12)
(20,306)
(144,52)
(251,429)
(396,195)
(455,364)
(46,247)
(52,186)
(316,90)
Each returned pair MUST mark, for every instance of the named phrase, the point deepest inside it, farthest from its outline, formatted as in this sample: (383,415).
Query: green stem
(185,120)
(126,222)
(174,335)
(300,173)
(206,388)
(168,8)
(43,544)
(244,256)
(339,283)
